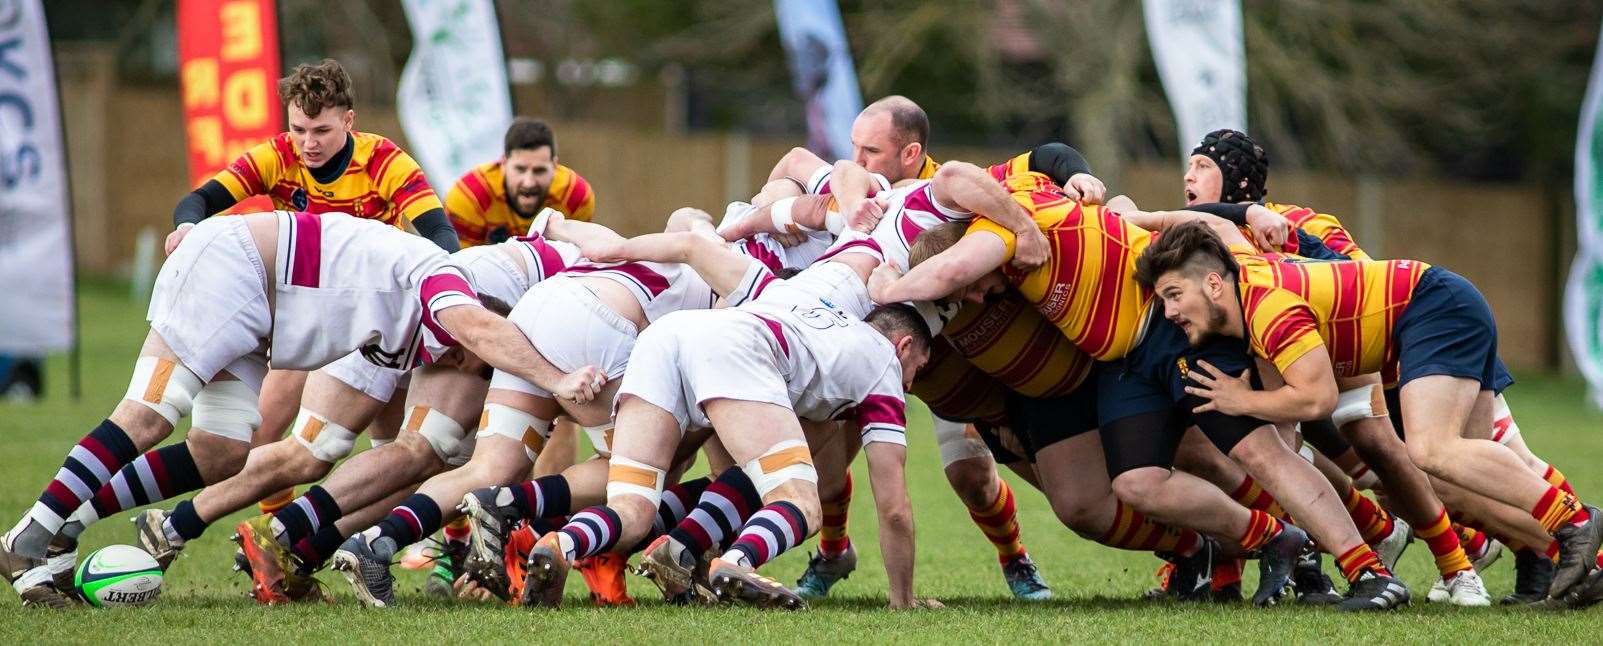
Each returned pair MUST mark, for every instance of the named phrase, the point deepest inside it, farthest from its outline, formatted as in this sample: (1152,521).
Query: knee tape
(443,434)
(513,424)
(376,442)
(787,460)
(1503,426)
(601,438)
(1359,403)
(327,441)
(957,443)
(164,386)
(625,476)
(227,409)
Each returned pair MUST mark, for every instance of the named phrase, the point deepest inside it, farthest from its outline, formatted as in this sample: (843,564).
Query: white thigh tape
(1359,403)
(1504,428)
(625,476)
(787,460)
(443,434)
(227,409)
(513,424)
(164,386)
(601,438)
(957,444)
(327,441)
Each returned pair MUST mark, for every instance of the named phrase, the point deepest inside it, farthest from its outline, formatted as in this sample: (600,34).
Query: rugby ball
(118,575)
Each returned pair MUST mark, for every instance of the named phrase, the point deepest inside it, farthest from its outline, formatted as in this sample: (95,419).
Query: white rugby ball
(118,575)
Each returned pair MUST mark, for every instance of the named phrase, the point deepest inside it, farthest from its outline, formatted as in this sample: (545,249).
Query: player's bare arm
(721,267)
(1309,391)
(886,473)
(968,187)
(585,235)
(942,275)
(799,164)
(499,343)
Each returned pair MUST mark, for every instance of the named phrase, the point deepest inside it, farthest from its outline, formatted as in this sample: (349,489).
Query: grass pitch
(1096,587)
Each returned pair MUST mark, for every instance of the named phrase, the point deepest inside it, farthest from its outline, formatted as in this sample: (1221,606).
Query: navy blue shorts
(1147,387)
(1447,329)
(1040,423)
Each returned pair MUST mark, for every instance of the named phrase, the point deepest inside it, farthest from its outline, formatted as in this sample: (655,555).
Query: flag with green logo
(1583,297)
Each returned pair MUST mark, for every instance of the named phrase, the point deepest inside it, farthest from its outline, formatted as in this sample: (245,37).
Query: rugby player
(799,348)
(1086,291)
(308,287)
(1424,324)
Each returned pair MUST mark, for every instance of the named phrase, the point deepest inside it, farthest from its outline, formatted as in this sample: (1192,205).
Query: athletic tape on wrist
(780,214)
(787,460)
(629,477)
(164,386)
(325,440)
(513,424)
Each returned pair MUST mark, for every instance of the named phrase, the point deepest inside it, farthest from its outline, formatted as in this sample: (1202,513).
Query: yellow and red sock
(832,538)
(1260,528)
(1353,562)
(1226,573)
(1444,545)
(1557,508)
(1252,496)
(1374,524)
(458,530)
(1556,478)
(277,501)
(1000,523)
(1132,530)
(1474,541)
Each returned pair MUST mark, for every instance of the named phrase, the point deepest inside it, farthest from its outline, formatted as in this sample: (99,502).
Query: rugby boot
(1276,561)
(1577,552)
(152,537)
(61,557)
(490,524)
(1024,579)
(1488,555)
(241,564)
(1165,576)
(1225,586)
(364,560)
(1589,591)
(1533,574)
(1390,549)
(1463,589)
(31,579)
(674,569)
(306,589)
(1192,576)
(823,572)
(603,574)
(735,583)
(449,564)
(547,572)
(1374,592)
(1314,587)
(270,561)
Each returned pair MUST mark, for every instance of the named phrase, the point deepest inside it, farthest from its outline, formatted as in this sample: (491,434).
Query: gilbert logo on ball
(118,575)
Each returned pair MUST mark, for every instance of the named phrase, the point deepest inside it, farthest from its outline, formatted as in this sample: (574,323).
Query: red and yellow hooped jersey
(477,203)
(1088,288)
(381,182)
(1320,225)
(1011,341)
(1347,308)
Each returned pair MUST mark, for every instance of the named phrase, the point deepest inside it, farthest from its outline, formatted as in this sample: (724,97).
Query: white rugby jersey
(836,366)
(910,210)
(542,259)
(669,287)
(347,283)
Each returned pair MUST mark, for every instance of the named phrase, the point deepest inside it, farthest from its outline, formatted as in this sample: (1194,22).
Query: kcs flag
(229,69)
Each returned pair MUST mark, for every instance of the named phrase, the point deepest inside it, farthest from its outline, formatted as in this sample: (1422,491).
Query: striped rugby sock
(721,510)
(153,477)
(86,469)
(999,522)
(772,530)
(304,515)
(410,521)
(677,501)
(1445,546)
(832,538)
(590,532)
(1374,524)
(1132,530)
(1253,496)
(541,497)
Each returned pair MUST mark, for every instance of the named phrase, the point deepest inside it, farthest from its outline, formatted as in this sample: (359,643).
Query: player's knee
(974,481)
(228,409)
(217,456)
(1140,486)
(633,480)
(781,463)
(1428,455)
(164,387)
(324,440)
(499,420)
(447,440)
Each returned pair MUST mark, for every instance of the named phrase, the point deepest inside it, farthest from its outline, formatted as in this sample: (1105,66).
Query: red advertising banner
(228,69)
